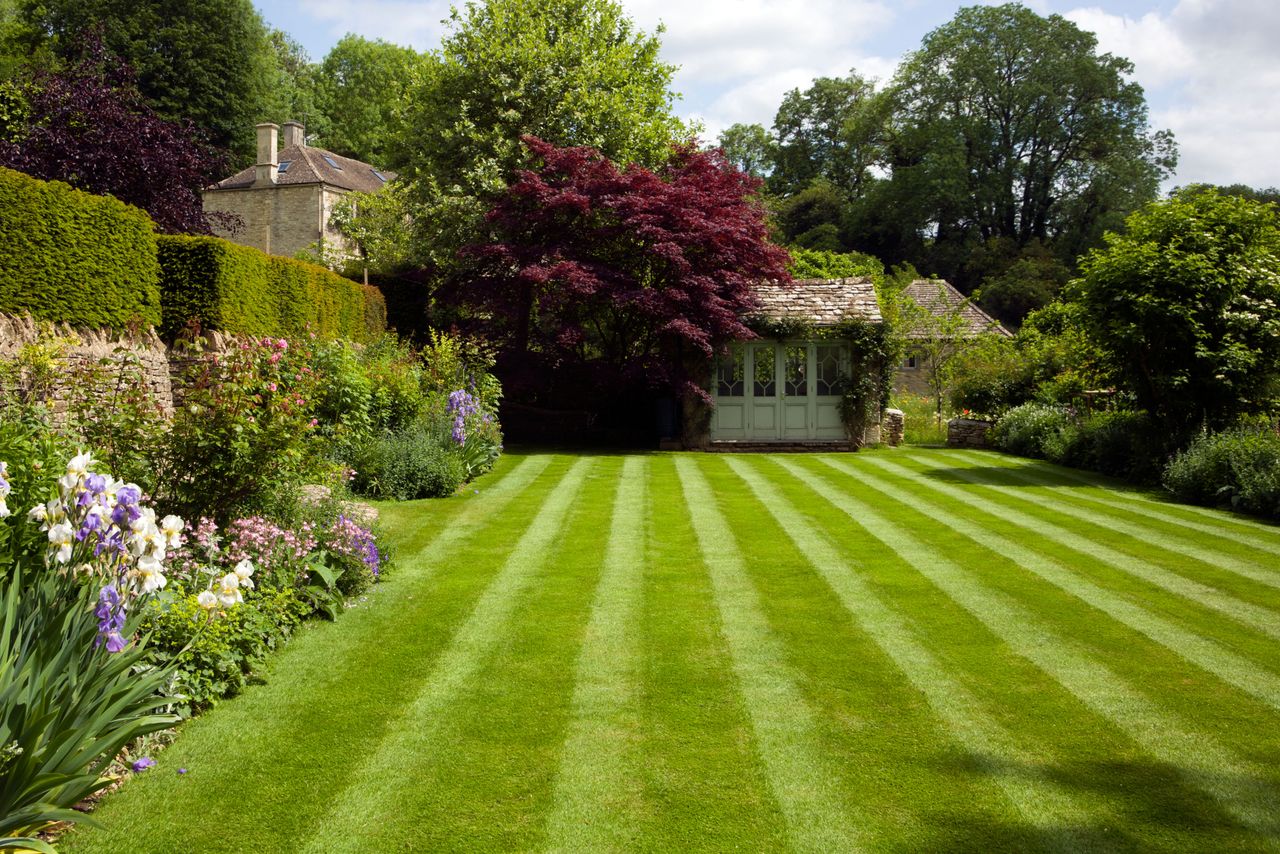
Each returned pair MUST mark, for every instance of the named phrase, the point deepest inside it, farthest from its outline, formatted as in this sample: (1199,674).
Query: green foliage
(380,225)
(819,264)
(991,376)
(295,93)
(361,84)
(67,706)
(828,133)
(243,431)
(748,147)
(1186,307)
(1011,125)
(240,289)
(1120,443)
(420,462)
(54,240)
(566,71)
(207,61)
(1238,468)
(215,659)
(1025,429)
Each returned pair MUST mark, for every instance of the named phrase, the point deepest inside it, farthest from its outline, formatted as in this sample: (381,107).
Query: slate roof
(307,165)
(928,295)
(822,302)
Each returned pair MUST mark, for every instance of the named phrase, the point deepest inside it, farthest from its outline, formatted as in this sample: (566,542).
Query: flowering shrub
(243,430)
(355,549)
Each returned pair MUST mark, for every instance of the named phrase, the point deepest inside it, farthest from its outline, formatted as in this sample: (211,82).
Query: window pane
(797,366)
(729,374)
(764,368)
(829,358)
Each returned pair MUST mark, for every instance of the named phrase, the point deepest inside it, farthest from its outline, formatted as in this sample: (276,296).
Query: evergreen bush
(73,257)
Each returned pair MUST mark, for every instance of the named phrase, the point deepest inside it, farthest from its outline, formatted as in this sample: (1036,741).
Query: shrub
(990,377)
(240,289)
(1239,468)
(242,432)
(72,257)
(1025,429)
(1121,444)
(417,463)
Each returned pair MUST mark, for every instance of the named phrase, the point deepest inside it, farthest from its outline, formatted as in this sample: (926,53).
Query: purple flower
(95,483)
(128,495)
(142,764)
(182,770)
(110,614)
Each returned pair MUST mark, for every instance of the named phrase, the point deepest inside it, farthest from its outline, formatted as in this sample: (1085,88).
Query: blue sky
(1211,68)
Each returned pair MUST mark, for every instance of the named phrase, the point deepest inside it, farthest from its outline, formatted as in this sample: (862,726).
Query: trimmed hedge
(236,288)
(73,257)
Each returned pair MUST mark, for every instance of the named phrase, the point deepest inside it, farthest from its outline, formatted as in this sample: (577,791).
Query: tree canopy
(1186,306)
(207,61)
(361,84)
(571,72)
(616,273)
(88,125)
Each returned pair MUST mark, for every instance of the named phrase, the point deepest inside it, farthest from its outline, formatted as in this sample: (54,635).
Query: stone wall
(78,350)
(968,433)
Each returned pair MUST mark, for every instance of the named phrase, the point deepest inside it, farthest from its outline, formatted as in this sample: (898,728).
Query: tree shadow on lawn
(989,476)
(1144,796)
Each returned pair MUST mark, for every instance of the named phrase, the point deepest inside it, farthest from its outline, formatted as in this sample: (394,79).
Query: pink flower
(275,357)
(282,344)
(271,386)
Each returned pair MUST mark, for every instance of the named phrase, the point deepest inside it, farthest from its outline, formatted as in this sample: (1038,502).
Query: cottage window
(797,363)
(910,362)
(829,370)
(764,372)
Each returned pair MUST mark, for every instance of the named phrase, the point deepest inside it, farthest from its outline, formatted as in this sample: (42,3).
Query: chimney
(294,134)
(267,159)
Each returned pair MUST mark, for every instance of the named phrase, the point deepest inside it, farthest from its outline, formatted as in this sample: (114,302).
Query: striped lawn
(893,650)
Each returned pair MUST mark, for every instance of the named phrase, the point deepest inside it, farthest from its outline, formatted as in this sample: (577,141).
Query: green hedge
(236,288)
(74,257)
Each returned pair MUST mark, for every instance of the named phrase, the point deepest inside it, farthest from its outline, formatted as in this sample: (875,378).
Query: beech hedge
(73,257)
(239,289)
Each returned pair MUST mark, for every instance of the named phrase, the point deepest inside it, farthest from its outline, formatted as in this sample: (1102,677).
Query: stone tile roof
(308,165)
(822,302)
(939,296)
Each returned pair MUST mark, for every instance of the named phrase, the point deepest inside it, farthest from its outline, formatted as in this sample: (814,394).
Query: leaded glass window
(764,371)
(797,366)
(829,370)
(729,374)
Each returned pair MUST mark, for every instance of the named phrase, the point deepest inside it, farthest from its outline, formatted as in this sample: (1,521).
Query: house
(785,387)
(955,313)
(286,200)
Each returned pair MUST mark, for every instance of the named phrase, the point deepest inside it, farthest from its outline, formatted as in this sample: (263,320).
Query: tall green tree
(571,72)
(294,94)
(1007,124)
(1186,306)
(829,131)
(207,61)
(361,85)
(750,148)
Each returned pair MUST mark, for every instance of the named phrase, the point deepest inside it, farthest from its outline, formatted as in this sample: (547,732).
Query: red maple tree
(620,275)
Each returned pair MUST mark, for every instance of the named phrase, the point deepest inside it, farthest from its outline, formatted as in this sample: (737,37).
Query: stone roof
(821,302)
(309,165)
(939,297)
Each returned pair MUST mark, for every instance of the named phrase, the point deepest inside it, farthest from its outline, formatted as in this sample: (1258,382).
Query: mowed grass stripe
(804,785)
(340,682)
(1202,652)
(1257,617)
(1238,786)
(1119,494)
(1032,477)
(369,797)
(430,543)
(1045,806)
(597,784)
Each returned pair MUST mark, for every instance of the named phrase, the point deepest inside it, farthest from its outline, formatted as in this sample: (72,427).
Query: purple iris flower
(128,494)
(95,483)
(110,614)
(143,764)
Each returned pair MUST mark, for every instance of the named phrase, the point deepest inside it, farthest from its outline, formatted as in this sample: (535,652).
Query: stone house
(287,198)
(939,297)
(787,390)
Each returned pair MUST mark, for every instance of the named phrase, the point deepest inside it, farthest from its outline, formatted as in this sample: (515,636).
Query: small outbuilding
(790,385)
(940,299)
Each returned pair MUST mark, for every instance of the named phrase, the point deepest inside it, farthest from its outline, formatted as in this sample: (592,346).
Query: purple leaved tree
(87,125)
(622,276)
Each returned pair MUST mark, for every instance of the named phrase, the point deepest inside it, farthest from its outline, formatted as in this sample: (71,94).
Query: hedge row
(71,256)
(240,289)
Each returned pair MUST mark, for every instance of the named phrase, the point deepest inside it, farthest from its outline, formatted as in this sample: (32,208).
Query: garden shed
(786,386)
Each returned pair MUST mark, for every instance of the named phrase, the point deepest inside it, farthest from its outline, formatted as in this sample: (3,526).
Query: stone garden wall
(968,433)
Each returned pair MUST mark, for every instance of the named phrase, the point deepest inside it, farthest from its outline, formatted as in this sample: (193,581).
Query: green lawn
(893,651)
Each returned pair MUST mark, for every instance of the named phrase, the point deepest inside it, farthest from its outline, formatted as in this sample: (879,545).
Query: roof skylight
(284,166)
(332,162)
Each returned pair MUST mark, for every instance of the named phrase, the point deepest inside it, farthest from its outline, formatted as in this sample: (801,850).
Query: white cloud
(413,23)
(1211,72)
